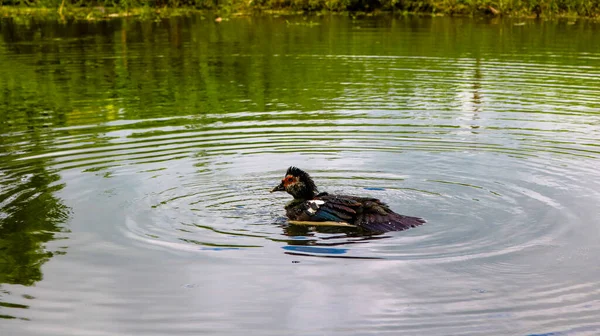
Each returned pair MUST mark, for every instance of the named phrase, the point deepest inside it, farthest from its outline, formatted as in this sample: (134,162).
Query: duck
(311,206)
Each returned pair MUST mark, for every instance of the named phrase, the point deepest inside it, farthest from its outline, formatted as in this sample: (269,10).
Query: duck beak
(280,187)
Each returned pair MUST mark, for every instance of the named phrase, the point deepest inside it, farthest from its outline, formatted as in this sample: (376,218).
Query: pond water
(136,159)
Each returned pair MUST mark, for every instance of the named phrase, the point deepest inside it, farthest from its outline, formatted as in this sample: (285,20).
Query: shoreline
(106,13)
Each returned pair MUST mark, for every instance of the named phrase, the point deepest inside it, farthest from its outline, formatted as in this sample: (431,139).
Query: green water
(136,159)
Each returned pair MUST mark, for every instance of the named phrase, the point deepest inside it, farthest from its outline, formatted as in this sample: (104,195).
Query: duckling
(367,213)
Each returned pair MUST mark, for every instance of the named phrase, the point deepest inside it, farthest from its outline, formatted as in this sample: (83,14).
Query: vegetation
(109,8)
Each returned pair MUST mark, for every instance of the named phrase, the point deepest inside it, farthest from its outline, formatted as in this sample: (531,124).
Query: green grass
(83,9)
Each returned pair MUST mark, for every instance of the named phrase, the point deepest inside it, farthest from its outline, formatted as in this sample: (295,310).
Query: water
(136,159)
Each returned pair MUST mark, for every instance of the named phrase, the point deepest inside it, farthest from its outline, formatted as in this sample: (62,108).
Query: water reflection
(30,216)
(31,213)
(329,244)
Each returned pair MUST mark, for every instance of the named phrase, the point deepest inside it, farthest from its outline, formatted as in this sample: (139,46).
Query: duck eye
(289,179)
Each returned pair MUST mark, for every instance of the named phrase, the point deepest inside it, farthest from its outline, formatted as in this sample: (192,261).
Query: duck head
(298,184)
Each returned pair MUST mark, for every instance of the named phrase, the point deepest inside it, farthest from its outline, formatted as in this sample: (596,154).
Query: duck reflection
(305,243)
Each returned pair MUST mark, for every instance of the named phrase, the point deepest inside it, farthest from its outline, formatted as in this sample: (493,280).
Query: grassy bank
(84,9)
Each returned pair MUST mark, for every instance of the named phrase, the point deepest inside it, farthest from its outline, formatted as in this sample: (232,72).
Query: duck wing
(368,213)
(376,216)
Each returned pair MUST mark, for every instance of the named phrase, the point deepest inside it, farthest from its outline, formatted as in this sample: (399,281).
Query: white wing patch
(314,205)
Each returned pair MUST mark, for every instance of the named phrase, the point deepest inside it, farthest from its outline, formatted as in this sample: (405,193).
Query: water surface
(136,159)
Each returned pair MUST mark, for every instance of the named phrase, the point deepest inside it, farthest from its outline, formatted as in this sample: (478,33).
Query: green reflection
(188,66)
(32,217)
(30,214)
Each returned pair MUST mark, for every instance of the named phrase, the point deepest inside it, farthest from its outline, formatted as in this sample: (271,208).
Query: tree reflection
(31,216)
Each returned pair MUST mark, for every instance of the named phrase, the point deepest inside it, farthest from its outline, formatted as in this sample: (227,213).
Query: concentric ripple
(155,154)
